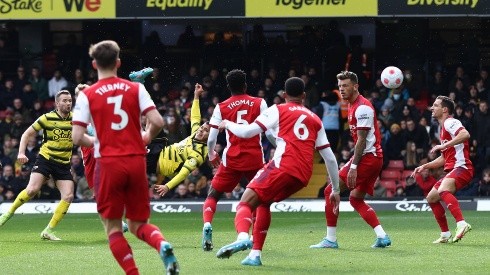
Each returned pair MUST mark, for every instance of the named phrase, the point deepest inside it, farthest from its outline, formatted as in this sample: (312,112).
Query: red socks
(208,209)
(329,215)
(243,218)
(452,204)
(440,215)
(122,253)
(365,211)
(261,225)
(151,235)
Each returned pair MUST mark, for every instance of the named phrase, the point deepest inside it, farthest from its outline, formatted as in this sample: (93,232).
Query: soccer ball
(392,77)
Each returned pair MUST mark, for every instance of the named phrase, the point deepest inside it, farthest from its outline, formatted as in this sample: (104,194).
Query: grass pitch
(84,249)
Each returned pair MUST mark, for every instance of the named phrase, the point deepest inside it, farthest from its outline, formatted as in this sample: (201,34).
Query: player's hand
(439,147)
(198,91)
(417,170)
(351,178)
(335,200)
(214,159)
(80,87)
(222,125)
(162,190)
(22,158)
(146,137)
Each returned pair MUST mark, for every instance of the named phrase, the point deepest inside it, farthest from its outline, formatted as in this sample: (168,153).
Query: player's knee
(214,194)
(67,197)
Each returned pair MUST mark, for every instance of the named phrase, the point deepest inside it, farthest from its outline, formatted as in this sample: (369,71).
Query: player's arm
(28,134)
(213,137)
(438,162)
(268,134)
(189,165)
(195,109)
(80,137)
(360,146)
(323,146)
(241,130)
(461,136)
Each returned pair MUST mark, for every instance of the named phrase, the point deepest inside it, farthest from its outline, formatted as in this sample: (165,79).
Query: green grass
(84,248)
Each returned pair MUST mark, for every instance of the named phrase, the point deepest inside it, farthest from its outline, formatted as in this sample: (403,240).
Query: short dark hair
(448,103)
(105,53)
(294,86)
(237,81)
(343,75)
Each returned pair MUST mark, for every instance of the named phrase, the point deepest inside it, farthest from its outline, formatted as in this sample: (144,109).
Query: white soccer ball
(392,77)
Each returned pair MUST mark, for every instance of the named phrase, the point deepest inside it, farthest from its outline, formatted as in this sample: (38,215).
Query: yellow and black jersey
(178,160)
(57,142)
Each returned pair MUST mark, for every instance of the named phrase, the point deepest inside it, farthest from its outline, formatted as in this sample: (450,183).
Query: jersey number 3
(117,101)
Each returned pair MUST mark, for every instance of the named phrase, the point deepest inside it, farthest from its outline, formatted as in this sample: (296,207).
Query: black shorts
(57,170)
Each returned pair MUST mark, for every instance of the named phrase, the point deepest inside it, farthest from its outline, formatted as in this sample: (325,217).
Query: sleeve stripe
(323,147)
(261,125)
(79,123)
(363,128)
(459,130)
(148,109)
(213,126)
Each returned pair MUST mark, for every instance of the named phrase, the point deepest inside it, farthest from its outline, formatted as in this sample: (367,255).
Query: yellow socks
(59,213)
(19,201)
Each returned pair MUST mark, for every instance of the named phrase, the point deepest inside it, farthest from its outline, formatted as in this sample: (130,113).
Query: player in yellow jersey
(178,160)
(53,160)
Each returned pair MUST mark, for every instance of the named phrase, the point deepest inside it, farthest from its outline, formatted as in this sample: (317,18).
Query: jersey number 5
(300,130)
(117,101)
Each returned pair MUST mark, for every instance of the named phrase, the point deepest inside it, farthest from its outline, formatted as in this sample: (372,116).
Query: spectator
(412,158)
(20,80)
(7,95)
(329,111)
(32,150)
(181,192)
(188,39)
(83,190)
(386,116)
(28,96)
(417,134)
(425,180)
(237,192)
(191,188)
(21,110)
(18,127)
(484,184)
(396,143)
(20,182)
(7,177)
(39,84)
(412,189)
(49,191)
(55,84)
(379,190)
(482,134)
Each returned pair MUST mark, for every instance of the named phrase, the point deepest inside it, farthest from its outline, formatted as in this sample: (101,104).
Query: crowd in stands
(404,117)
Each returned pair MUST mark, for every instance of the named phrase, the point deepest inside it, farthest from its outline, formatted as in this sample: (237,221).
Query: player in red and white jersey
(297,131)
(360,173)
(455,157)
(114,106)
(241,158)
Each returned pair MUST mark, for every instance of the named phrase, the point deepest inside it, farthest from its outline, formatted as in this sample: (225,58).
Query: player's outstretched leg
(139,76)
(230,249)
(207,237)
(168,258)
(5,217)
